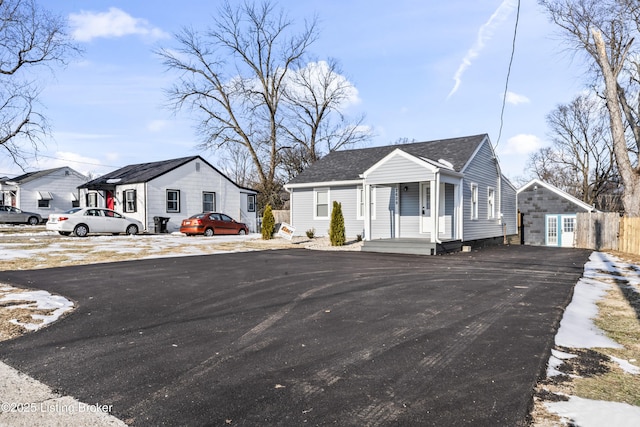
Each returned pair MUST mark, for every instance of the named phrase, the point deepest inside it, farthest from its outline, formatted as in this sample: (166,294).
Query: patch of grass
(618,318)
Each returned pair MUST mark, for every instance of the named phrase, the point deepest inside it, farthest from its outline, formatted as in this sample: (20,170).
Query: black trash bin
(160,223)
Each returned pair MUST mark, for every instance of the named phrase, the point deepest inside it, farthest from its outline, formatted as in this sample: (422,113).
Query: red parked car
(210,223)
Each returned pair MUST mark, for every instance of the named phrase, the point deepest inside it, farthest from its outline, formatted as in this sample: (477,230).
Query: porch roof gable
(429,165)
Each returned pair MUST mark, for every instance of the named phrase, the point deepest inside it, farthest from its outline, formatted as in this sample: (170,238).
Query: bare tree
(30,37)
(315,124)
(580,161)
(233,77)
(605,30)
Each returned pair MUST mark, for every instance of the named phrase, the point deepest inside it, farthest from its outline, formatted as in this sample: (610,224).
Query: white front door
(568,231)
(552,230)
(425,208)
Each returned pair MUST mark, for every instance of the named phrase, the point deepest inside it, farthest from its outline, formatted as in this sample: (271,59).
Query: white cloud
(515,99)
(157,125)
(114,23)
(327,80)
(522,144)
(485,33)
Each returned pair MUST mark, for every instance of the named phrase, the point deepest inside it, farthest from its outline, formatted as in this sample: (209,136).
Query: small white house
(170,191)
(47,191)
(425,197)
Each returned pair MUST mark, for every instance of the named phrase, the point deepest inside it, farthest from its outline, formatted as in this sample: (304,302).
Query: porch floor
(412,246)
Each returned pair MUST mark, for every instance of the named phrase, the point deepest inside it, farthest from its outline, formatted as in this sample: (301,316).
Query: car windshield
(200,215)
(72,211)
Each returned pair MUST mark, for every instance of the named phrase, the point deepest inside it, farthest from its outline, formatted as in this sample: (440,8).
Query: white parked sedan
(82,221)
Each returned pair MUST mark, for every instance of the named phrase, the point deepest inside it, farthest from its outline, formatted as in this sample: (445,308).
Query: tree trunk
(630,176)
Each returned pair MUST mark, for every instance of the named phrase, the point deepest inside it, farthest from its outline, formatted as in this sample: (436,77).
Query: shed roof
(347,165)
(587,207)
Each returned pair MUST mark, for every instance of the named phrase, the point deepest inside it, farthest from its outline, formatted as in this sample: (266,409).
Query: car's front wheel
(33,220)
(132,229)
(208,232)
(81,230)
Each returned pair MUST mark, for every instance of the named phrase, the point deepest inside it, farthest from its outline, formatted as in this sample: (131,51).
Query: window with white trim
(251,203)
(173,200)
(321,203)
(474,201)
(208,201)
(92,199)
(361,200)
(491,203)
(130,201)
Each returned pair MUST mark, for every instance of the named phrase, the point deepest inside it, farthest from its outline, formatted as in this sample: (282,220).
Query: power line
(506,85)
(78,161)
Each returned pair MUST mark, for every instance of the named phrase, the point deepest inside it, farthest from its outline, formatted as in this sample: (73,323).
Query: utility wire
(506,85)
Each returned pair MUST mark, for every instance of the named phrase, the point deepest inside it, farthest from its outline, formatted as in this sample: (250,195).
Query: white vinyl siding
(383,226)
(191,183)
(303,211)
(482,171)
(48,193)
(400,168)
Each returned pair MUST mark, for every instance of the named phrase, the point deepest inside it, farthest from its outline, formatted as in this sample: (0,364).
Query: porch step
(411,246)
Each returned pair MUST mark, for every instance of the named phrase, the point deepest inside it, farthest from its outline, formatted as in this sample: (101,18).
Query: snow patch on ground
(35,300)
(596,413)
(577,330)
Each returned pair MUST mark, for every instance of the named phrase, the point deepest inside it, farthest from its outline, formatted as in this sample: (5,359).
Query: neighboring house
(44,192)
(171,190)
(424,197)
(548,215)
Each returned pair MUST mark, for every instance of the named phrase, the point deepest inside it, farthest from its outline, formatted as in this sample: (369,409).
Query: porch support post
(367,211)
(397,212)
(435,197)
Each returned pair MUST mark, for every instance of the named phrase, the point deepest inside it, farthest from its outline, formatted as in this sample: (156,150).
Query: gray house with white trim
(426,194)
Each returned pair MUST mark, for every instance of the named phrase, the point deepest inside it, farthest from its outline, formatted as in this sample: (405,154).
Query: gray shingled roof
(145,172)
(30,176)
(132,174)
(347,165)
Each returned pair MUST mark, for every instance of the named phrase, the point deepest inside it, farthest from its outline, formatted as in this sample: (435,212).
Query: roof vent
(446,163)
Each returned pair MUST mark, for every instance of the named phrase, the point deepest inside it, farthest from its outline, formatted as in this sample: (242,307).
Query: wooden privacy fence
(608,231)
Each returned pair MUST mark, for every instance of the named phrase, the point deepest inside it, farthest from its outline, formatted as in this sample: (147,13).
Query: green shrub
(268,223)
(336,228)
(359,238)
(311,233)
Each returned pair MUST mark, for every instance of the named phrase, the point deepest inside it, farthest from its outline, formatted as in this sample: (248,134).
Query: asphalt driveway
(294,337)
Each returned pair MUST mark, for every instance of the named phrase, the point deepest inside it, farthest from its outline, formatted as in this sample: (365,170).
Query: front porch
(412,246)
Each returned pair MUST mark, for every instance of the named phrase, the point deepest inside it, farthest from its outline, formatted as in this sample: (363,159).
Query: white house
(44,192)
(171,191)
(426,197)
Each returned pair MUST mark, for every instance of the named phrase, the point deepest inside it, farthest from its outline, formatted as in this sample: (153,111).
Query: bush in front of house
(268,223)
(336,227)
(311,233)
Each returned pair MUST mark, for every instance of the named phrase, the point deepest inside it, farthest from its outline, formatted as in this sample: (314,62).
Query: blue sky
(423,69)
